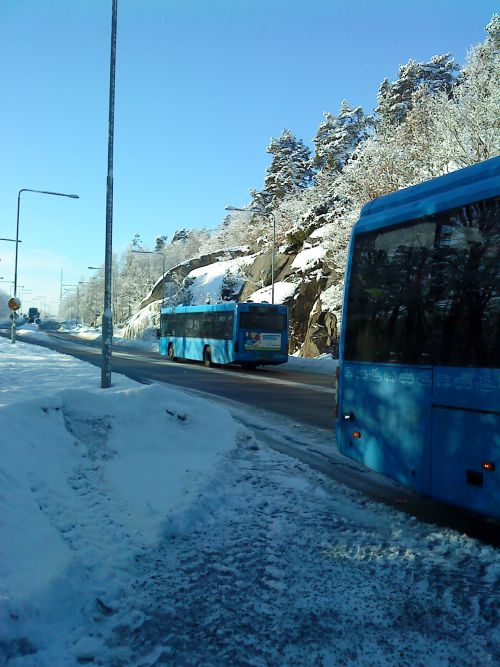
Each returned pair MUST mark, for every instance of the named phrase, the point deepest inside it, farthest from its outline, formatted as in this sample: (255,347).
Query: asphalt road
(306,398)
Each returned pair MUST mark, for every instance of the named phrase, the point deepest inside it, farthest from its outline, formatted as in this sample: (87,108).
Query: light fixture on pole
(273,220)
(17,241)
(155,252)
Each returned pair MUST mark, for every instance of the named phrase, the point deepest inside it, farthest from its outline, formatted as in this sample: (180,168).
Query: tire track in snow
(272,570)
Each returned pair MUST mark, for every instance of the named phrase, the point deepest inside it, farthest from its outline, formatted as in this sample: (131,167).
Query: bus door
(465,439)
(385,420)
(179,335)
(386,376)
(466,351)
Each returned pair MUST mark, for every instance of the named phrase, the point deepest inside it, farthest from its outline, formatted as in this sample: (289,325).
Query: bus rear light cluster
(488,465)
(356,434)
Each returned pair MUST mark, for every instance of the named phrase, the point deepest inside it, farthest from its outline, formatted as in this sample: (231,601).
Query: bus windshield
(428,292)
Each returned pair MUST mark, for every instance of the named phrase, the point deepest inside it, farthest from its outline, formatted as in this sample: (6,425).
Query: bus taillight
(488,465)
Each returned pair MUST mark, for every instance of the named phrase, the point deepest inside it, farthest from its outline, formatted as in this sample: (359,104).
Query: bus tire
(171,353)
(207,356)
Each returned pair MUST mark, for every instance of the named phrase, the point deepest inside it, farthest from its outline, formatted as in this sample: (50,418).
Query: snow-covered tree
(160,243)
(468,124)
(290,170)
(395,99)
(231,285)
(338,136)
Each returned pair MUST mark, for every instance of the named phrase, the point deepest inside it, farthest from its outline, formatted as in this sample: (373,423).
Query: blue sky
(201,87)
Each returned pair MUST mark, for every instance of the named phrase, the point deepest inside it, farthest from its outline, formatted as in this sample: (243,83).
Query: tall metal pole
(107,315)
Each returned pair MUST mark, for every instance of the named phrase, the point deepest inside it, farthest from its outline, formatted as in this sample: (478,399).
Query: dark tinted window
(429,291)
(198,325)
(389,312)
(466,287)
(265,322)
(169,324)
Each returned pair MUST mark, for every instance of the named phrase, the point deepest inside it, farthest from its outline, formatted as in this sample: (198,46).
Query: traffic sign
(14,303)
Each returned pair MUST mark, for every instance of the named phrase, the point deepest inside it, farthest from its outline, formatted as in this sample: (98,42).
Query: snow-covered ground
(140,525)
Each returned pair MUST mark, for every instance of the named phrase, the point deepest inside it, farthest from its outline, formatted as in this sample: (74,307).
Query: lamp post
(40,192)
(155,252)
(273,220)
(107,314)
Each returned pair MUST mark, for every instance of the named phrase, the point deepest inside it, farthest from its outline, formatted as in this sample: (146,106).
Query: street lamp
(155,252)
(40,192)
(259,211)
(107,313)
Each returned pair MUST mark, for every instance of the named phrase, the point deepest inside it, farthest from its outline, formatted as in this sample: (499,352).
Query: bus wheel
(207,357)
(170,353)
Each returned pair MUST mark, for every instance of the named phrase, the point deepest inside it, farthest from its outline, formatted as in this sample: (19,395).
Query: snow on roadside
(323,364)
(89,478)
(142,526)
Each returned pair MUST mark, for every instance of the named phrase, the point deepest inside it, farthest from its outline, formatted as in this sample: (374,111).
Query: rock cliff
(302,279)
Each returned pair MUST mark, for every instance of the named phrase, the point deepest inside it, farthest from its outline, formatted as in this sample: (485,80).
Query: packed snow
(207,281)
(283,290)
(308,258)
(142,525)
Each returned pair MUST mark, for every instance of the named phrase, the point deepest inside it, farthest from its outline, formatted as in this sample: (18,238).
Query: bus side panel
(222,351)
(162,344)
(192,349)
(471,388)
(389,407)
(462,440)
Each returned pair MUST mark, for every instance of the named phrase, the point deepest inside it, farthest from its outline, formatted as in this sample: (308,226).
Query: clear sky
(201,87)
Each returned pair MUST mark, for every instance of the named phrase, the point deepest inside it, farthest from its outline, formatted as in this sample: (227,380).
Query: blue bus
(250,334)
(419,364)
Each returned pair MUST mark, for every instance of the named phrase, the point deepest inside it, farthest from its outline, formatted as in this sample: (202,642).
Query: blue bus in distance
(250,334)
(419,365)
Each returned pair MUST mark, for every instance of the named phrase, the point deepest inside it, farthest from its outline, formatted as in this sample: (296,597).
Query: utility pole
(107,315)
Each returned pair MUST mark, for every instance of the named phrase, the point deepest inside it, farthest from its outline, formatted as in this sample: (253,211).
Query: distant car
(34,315)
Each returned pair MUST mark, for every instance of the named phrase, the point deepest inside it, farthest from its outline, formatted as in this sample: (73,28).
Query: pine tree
(230,287)
(468,124)
(136,243)
(160,243)
(395,99)
(338,136)
(290,170)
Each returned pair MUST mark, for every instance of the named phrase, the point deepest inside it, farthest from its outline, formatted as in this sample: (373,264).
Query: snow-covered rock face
(301,274)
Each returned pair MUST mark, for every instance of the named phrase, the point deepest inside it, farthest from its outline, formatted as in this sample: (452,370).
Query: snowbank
(89,479)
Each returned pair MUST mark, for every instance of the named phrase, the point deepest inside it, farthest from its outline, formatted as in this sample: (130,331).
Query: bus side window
(207,325)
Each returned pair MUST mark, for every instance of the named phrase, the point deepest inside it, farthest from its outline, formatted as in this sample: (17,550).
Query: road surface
(267,399)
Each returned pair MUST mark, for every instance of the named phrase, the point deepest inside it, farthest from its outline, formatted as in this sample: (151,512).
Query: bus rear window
(265,322)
